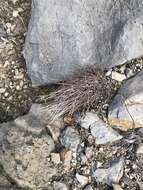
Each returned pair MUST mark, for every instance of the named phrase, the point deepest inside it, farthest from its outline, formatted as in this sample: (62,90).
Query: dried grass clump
(89,88)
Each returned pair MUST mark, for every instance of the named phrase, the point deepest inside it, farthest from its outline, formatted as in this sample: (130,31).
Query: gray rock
(23,155)
(88,119)
(88,187)
(2,31)
(60,186)
(36,121)
(64,36)
(70,139)
(30,123)
(110,175)
(102,133)
(89,151)
(126,108)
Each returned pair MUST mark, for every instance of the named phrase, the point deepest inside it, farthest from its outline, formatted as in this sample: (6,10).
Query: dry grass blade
(88,89)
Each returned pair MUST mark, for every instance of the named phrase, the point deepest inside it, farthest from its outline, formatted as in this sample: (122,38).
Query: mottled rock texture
(64,36)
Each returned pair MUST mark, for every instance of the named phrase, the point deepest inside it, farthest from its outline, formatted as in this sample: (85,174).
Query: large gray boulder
(64,36)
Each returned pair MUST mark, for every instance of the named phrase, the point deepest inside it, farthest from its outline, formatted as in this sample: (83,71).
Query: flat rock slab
(110,175)
(65,36)
(126,109)
(99,129)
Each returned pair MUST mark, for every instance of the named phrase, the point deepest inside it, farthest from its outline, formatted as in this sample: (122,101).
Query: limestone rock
(65,36)
(60,186)
(100,130)
(110,175)
(70,139)
(83,180)
(126,108)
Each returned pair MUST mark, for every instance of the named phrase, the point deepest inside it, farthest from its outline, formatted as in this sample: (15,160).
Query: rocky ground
(71,154)
(15,93)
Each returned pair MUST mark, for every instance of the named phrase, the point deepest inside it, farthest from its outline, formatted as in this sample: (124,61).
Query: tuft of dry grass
(89,88)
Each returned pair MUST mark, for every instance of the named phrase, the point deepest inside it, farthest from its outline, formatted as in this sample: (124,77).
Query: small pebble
(55,158)
(83,180)
(67,158)
(118,77)
(15,13)
(60,186)
(18,88)
(88,187)
(2,90)
(140,149)
(6,94)
(89,152)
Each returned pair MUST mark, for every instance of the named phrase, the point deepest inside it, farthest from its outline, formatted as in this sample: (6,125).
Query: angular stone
(126,108)
(110,175)
(70,139)
(103,133)
(55,157)
(65,36)
(86,121)
(83,180)
(100,130)
(2,31)
(88,188)
(140,149)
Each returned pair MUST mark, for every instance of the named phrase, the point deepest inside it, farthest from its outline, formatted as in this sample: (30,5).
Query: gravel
(15,86)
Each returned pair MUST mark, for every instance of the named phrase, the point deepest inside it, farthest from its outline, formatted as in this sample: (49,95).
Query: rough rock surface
(30,158)
(70,139)
(24,155)
(99,129)
(126,108)
(64,36)
(111,175)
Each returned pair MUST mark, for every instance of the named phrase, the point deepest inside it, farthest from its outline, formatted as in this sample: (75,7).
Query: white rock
(89,152)
(60,186)
(83,180)
(118,76)
(2,90)
(140,149)
(15,13)
(117,187)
